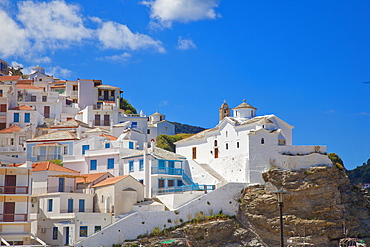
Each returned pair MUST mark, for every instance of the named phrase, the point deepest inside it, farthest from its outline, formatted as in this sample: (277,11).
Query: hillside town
(77,170)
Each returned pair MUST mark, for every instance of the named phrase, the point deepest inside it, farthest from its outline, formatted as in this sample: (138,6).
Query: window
(93,164)
(141,181)
(74,88)
(161,164)
(44,98)
(171,182)
(160,183)
(2,107)
(83,231)
(131,166)
(110,164)
(70,205)
(131,145)
(226,134)
(141,165)
(1,93)
(216,153)
(97,229)
(148,131)
(237,144)
(262,140)
(65,149)
(134,125)
(171,164)
(50,205)
(215,143)
(81,205)
(107,145)
(27,117)
(194,153)
(227,146)
(11,141)
(16,117)
(179,182)
(84,148)
(55,233)
(22,139)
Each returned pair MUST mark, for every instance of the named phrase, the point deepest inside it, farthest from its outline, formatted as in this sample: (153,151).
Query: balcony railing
(103,107)
(45,157)
(12,149)
(167,170)
(109,98)
(13,189)
(180,189)
(75,210)
(101,123)
(13,217)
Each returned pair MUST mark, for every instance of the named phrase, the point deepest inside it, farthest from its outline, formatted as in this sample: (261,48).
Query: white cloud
(15,64)
(118,36)
(163,103)
(58,71)
(167,11)
(185,44)
(365,114)
(330,111)
(124,57)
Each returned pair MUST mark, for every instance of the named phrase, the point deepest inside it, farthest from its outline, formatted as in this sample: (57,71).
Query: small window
(65,149)
(131,145)
(160,183)
(55,233)
(227,133)
(44,98)
(237,144)
(83,231)
(227,146)
(141,181)
(81,205)
(215,143)
(179,182)
(171,182)
(93,164)
(75,88)
(22,139)
(194,153)
(50,205)
(102,198)
(2,107)
(112,93)
(107,145)
(110,163)
(148,131)
(262,140)
(27,117)
(141,165)
(97,229)
(16,117)
(84,148)
(131,166)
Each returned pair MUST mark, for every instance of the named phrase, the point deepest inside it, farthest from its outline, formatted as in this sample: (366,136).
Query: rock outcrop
(320,204)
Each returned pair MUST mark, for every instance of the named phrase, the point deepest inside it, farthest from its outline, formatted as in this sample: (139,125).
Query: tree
(336,160)
(167,141)
(126,106)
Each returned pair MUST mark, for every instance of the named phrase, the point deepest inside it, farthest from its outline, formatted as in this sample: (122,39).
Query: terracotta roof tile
(49,166)
(48,144)
(112,138)
(9,78)
(72,123)
(110,181)
(24,82)
(26,86)
(23,108)
(91,177)
(11,129)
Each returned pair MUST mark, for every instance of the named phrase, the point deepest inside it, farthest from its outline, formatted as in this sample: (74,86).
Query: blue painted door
(70,206)
(61,185)
(67,235)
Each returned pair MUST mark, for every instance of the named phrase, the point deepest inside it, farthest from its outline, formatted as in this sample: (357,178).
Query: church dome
(244,110)
(244,105)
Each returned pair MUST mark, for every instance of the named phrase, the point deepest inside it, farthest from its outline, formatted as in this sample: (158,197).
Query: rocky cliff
(319,204)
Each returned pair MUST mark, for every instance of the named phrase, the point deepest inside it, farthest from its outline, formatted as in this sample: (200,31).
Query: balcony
(46,157)
(75,210)
(13,189)
(103,107)
(109,98)
(167,171)
(180,189)
(12,149)
(13,217)
(101,123)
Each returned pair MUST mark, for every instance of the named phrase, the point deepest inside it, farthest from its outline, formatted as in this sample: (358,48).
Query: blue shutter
(93,164)
(131,145)
(107,145)
(81,205)
(110,164)
(141,165)
(16,117)
(84,148)
(50,205)
(27,117)
(131,165)
(70,206)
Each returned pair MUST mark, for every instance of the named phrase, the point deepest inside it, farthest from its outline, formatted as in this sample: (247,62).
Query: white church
(243,146)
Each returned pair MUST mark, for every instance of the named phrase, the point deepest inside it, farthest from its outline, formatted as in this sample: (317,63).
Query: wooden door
(9,211)
(10,184)
(47,111)
(97,120)
(106,120)
(216,153)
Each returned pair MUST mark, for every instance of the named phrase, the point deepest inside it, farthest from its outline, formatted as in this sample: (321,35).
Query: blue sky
(305,61)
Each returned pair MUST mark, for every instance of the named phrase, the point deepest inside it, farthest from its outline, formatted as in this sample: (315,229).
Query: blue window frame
(134,125)
(131,166)
(179,182)
(84,148)
(171,164)
(27,117)
(83,231)
(141,165)
(131,145)
(55,233)
(161,164)
(50,205)
(81,205)
(110,164)
(70,206)
(93,165)
(16,117)
(61,185)
(107,145)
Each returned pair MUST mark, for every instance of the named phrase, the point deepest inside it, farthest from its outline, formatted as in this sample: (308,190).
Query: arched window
(262,141)
(215,142)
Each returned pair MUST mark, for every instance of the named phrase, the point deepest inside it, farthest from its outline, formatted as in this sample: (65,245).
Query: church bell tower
(224,110)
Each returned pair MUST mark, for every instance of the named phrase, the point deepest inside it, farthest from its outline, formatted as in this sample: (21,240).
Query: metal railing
(13,189)
(109,98)
(167,170)
(45,157)
(13,217)
(101,123)
(180,189)
(187,179)
(12,149)
(76,210)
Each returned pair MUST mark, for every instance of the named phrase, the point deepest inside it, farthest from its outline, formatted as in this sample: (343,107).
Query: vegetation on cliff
(126,106)
(167,141)
(186,128)
(361,174)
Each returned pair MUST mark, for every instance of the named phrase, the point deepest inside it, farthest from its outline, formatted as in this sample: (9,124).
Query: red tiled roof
(11,129)
(23,108)
(110,181)
(49,166)
(24,82)
(26,86)
(112,138)
(9,78)
(58,86)
(90,177)
(48,144)
(14,165)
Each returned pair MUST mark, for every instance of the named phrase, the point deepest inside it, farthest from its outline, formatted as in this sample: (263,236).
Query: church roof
(245,105)
(59,135)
